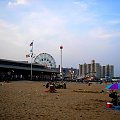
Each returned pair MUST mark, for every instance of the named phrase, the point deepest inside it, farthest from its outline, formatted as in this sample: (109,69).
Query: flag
(31,50)
(31,44)
(27,56)
(32,55)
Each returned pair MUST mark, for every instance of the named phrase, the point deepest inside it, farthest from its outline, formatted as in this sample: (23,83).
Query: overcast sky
(87,29)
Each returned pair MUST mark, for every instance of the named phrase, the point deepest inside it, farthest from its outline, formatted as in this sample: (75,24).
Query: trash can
(109,105)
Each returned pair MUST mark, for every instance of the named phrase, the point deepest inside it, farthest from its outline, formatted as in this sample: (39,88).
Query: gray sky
(87,29)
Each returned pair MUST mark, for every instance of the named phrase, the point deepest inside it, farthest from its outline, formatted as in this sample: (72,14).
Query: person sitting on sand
(47,85)
(64,85)
(52,87)
(89,83)
(114,95)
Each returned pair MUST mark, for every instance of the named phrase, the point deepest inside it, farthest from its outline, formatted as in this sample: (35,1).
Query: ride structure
(46,60)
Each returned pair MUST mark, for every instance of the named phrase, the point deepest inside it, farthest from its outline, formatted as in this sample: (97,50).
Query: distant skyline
(87,30)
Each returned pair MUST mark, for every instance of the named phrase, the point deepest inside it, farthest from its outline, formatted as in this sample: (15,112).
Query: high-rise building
(95,70)
(107,71)
(102,71)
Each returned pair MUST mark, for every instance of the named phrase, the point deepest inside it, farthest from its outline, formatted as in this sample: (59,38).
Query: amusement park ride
(46,60)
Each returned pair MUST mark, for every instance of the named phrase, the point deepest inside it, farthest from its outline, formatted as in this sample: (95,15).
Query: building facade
(95,70)
(70,73)
(16,70)
(107,71)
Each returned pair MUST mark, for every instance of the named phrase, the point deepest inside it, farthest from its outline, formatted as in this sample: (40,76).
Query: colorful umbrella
(115,86)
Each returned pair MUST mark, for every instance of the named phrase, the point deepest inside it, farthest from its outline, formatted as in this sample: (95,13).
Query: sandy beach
(26,100)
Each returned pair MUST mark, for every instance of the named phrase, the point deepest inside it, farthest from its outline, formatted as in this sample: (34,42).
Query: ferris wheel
(46,60)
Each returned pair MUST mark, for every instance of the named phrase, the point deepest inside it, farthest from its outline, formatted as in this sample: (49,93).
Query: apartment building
(107,71)
(96,70)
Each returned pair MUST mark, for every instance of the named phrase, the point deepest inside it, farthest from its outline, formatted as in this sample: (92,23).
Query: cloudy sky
(87,29)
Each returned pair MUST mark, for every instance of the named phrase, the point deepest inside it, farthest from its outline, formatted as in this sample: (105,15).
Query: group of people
(115,98)
(53,86)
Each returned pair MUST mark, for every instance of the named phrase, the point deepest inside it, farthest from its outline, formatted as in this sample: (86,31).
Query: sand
(26,100)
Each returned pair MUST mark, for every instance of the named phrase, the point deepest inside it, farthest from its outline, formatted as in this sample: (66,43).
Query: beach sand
(26,100)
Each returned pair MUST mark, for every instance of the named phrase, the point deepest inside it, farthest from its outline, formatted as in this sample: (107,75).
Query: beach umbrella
(115,86)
